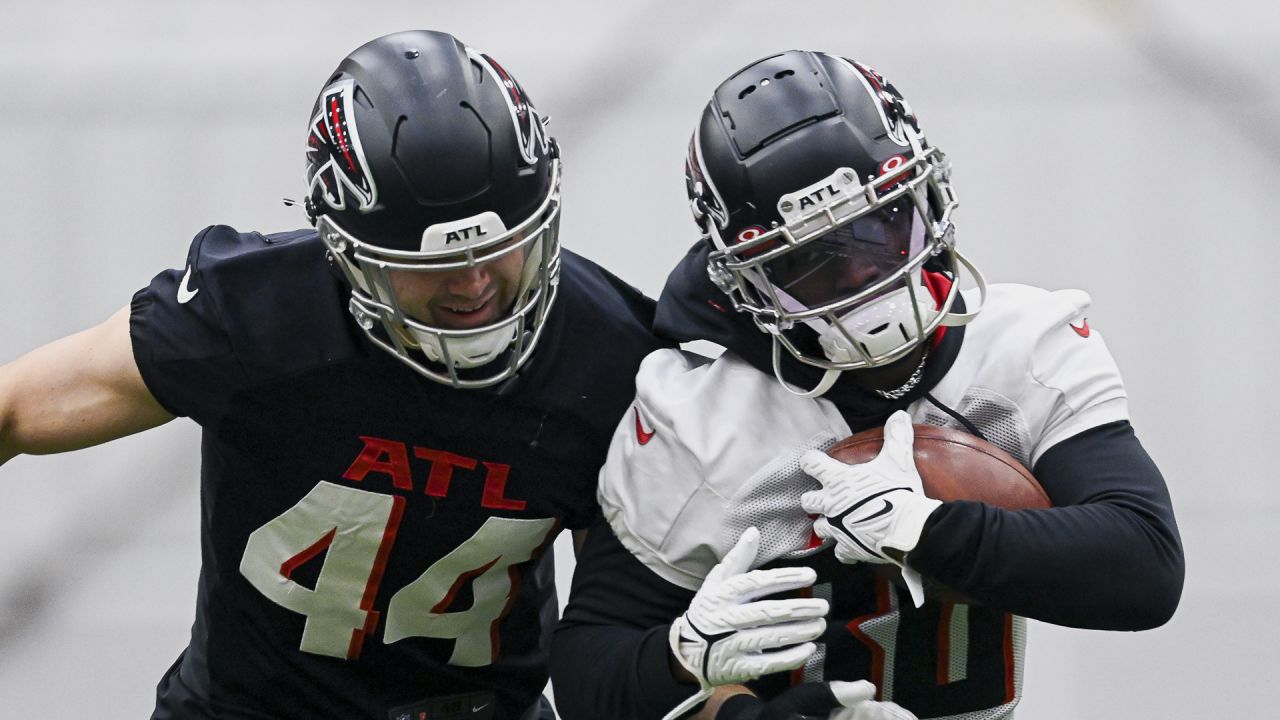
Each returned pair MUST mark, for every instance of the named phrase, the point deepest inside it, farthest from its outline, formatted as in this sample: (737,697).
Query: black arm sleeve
(1107,556)
(609,653)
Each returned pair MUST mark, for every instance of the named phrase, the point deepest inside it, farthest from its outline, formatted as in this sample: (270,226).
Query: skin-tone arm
(721,694)
(79,391)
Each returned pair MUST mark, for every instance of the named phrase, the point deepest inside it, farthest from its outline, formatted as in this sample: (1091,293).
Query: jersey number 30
(356,529)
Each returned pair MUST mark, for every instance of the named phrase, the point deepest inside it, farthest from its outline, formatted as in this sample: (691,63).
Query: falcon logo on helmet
(336,152)
(894,110)
(466,177)
(533,139)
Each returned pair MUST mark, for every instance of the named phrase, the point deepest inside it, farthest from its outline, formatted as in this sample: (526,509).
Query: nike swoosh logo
(478,708)
(1083,330)
(185,293)
(641,435)
(888,508)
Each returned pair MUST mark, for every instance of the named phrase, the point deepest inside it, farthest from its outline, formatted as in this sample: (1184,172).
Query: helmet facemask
(825,207)
(462,358)
(847,263)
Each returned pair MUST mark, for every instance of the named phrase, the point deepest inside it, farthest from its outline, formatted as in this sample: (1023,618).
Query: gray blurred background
(1128,148)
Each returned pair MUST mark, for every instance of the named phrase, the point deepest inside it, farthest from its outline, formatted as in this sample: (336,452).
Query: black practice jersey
(372,540)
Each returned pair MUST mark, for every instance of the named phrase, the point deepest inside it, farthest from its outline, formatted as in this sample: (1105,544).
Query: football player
(828,268)
(401,408)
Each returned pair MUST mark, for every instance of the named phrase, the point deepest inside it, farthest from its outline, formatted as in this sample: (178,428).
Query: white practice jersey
(712,447)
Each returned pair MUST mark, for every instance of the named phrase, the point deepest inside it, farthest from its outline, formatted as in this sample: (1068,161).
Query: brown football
(953,465)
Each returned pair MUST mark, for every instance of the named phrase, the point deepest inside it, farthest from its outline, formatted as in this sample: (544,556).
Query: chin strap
(954,319)
(828,378)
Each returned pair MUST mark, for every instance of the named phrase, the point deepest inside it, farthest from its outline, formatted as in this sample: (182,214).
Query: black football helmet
(425,155)
(823,202)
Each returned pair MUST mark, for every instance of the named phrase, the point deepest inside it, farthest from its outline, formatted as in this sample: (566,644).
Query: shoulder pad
(1031,372)
(708,449)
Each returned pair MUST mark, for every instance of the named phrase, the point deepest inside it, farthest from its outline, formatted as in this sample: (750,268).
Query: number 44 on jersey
(356,529)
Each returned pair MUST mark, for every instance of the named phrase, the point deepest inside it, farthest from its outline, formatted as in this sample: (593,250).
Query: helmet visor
(845,261)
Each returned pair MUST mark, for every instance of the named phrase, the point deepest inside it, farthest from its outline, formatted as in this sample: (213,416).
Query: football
(953,465)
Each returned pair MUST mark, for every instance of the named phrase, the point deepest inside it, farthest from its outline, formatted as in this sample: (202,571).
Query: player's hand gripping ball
(877,493)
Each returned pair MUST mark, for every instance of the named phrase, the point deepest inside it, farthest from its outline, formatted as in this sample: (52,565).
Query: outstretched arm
(81,390)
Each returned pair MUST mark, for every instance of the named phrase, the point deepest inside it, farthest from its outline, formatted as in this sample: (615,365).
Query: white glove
(873,506)
(728,636)
(835,700)
(858,699)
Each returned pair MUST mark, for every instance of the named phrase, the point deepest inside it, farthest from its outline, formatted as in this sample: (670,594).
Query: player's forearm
(1088,567)
(1107,556)
(610,656)
(617,673)
(601,671)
